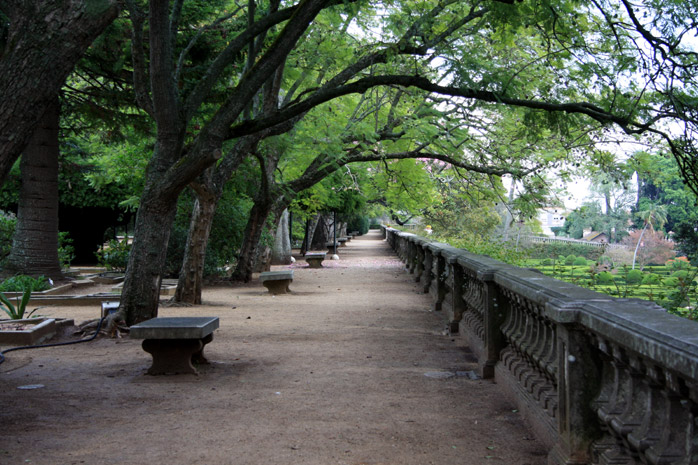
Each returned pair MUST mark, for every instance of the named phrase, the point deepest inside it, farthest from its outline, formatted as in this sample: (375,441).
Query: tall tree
(35,241)
(40,42)
(560,68)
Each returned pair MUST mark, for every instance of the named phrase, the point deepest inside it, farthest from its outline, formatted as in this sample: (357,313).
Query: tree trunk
(35,241)
(250,242)
(141,291)
(323,233)
(45,40)
(192,273)
(310,233)
(281,254)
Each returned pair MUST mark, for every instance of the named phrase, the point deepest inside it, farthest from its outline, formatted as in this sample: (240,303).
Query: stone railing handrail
(601,380)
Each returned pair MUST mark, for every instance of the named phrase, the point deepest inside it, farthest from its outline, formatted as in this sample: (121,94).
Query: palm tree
(652,214)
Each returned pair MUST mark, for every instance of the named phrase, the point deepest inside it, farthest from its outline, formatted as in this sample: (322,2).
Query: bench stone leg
(198,358)
(314,262)
(173,355)
(278,286)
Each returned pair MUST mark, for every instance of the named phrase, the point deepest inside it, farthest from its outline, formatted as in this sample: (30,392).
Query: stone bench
(175,343)
(277,282)
(342,241)
(330,247)
(315,259)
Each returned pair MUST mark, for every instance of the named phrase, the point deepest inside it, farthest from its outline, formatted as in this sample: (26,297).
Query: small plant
(66,251)
(18,312)
(114,256)
(23,282)
(580,261)
(569,260)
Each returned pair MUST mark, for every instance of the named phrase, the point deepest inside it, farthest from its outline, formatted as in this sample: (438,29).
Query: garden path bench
(342,241)
(315,259)
(277,282)
(176,343)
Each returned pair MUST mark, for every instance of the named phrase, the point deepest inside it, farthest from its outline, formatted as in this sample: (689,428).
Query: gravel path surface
(351,368)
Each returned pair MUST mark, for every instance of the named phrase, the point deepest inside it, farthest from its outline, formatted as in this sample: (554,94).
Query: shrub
(21,283)
(580,261)
(651,278)
(681,274)
(670,282)
(547,262)
(633,277)
(605,277)
(66,251)
(569,260)
(7,229)
(114,256)
(680,263)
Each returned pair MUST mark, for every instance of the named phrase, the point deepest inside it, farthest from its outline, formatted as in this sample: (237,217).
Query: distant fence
(602,380)
(545,239)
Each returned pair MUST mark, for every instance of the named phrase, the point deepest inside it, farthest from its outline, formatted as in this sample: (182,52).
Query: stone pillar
(579,382)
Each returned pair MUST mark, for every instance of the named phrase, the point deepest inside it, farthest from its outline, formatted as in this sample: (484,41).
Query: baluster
(649,431)
(677,426)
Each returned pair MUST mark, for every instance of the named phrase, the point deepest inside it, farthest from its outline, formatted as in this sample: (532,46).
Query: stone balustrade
(601,380)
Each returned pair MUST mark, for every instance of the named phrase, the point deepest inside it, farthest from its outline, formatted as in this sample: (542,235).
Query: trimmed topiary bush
(651,278)
(633,277)
(547,262)
(569,260)
(580,261)
(605,277)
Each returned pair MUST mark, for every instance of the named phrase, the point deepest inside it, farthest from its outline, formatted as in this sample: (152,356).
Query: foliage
(358,223)
(18,312)
(8,221)
(483,245)
(226,233)
(633,276)
(66,251)
(21,283)
(654,249)
(114,255)
(555,249)
(590,216)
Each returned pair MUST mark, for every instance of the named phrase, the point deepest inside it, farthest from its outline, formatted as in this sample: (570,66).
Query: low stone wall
(601,380)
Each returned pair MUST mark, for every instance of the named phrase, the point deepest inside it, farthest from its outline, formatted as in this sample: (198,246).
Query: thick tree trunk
(191,275)
(141,292)
(281,253)
(310,233)
(250,244)
(323,233)
(35,241)
(45,40)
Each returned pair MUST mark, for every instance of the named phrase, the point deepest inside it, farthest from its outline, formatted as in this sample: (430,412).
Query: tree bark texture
(141,292)
(251,240)
(45,40)
(191,275)
(35,241)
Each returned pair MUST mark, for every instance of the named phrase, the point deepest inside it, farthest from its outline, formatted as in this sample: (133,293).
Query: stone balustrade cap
(175,328)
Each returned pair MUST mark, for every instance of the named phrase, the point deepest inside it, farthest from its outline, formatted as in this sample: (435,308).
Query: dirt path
(333,373)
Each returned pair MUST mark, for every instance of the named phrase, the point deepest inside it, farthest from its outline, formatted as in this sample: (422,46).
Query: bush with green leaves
(547,262)
(114,256)
(8,221)
(652,279)
(680,274)
(580,261)
(569,260)
(555,249)
(21,283)
(633,277)
(20,311)
(605,277)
